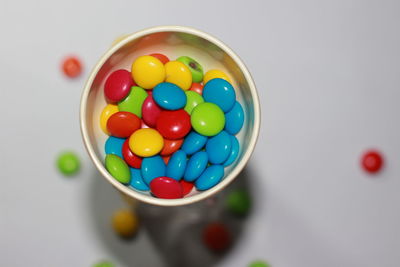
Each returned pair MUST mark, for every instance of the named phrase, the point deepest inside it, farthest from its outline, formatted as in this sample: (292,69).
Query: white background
(328,76)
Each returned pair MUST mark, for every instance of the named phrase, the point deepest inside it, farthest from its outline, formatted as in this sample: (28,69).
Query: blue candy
(152,167)
(169,96)
(114,146)
(234,151)
(219,147)
(234,119)
(177,165)
(221,93)
(193,142)
(210,177)
(195,166)
(137,180)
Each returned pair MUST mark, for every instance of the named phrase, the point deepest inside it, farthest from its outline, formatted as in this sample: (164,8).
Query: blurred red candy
(217,237)
(372,161)
(72,67)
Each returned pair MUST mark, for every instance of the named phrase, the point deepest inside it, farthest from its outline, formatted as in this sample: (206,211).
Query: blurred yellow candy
(212,74)
(146,142)
(125,223)
(148,71)
(109,110)
(179,74)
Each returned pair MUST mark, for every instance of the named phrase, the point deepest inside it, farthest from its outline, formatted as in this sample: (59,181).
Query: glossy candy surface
(234,119)
(108,110)
(372,161)
(130,158)
(210,177)
(169,96)
(221,93)
(195,68)
(195,166)
(193,99)
(137,181)
(177,165)
(207,119)
(173,124)
(148,71)
(114,145)
(163,58)
(219,147)
(134,101)
(118,85)
(193,142)
(150,111)
(146,142)
(118,168)
(186,186)
(170,146)
(122,124)
(177,73)
(152,167)
(234,151)
(197,87)
(212,74)
(72,67)
(166,187)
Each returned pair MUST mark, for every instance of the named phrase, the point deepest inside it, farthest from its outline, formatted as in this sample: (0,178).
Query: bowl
(173,41)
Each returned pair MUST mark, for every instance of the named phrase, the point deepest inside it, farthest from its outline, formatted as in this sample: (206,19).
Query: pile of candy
(168,133)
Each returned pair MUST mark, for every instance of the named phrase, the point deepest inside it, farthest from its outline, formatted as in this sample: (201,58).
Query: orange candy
(170,146)
(72,67)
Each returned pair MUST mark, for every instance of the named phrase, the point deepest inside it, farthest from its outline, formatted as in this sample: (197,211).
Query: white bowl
(173,41)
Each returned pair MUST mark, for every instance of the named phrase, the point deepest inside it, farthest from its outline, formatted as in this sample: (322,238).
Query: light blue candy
(137,181)
(220,92)
(219,147)
(114,146)
(193,142)
(177,165)
(234,119)
(210,177)
(152,167)
(169,96)
(195,166)
(234,151)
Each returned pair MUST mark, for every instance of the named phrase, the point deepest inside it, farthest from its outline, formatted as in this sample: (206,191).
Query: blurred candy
(148,71)
(114,145)
(372,161)
(193,99)
(221,93)
(238,202)
(195,68)
(163,58)
(207,119)
(234,119)
(193,142)
(169,96)
(259,263)
(122,124)
(68,163)
(130,158)
(217,237)
(104,264)
(212,74)
(108,110)
(166,187)
(173,124)
(150,111)
(118,168)
(170,146)
(177,73)
(219,148)
(152,167)
(195,166)
(134,101)
(118,85)
(72,67)
(210,177)
(137,181)
(146,142)
(125,223)
(177,165)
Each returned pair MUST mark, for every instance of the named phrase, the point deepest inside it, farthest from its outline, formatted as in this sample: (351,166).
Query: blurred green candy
(68,163)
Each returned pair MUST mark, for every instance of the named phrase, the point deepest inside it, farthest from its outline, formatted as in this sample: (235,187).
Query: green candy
(134,101)
(207,119)
(193,99)
(195,68)
(104,264)
(68,163)
(259,264)
(238,202)
(118,168)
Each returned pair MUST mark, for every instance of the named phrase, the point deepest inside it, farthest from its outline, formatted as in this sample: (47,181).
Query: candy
(166,159)
(125,223)
(221,93)
(210,177)
(177,165)
(109,110)
(130,158)
(166,187)
(207,119)
(122,124)
(234,151)
(104,264)
(195,166)
(118,85)
(163,58)
(146,142)
(173,124)
(72,67)
(217,237)
(114,145)
(259,263)
(148,71)
(187,187)
(193,142)
(372,161)
(152,167)
(68,163)
(195,68)
(193,99)
(170,146)
(134,101)
(137,181)
(219,148)
(177,73)
(197,87)
(234,119)
(150,111)
(169,96)
(118,168)
(212,74)
(238,202)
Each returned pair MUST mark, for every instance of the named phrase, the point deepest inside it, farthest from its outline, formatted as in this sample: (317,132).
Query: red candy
(216,237)
(170,146)
(150,111)
(163,58)
(372,161)
(72,67)
(173,124)
(165,187)
(122,124)
(131,159)
(144,125)
(118,85)
(187,187)
(197,87)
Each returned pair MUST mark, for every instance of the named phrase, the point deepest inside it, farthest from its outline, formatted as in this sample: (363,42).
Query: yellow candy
(125,223)
(212,74)
(179,74)
(109,110)
(148,71)
(146,142)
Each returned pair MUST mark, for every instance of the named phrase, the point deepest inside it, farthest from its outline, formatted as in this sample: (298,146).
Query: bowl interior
(211,54)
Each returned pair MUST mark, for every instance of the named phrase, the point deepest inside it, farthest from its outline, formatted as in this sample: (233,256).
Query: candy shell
(166,159)
(137,181)
(216,237)
(178,73)
(210,177)
(195,166)
(114,145)
(166,187)
(118,85)
(108,110)
(177,165)
(234,119)
(148,71)
(150,111)
(372,161)
(118,168)
(170,146)
(187,187)
(173,124)
(212,74)
(169,96)
(122,124)
(259,263)
(219,147)
(207,119)
(104,264)
(221,93)
(234,151)
(130,158)
(72,67)
(195,68)
(146,142)
(125,223)
(134,101)
(68,163)
(238,202)
(193,99)
(193,142)
(163,58)
(152,167)
(197,87)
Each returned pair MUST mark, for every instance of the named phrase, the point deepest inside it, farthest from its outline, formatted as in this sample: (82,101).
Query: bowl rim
(150,199)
